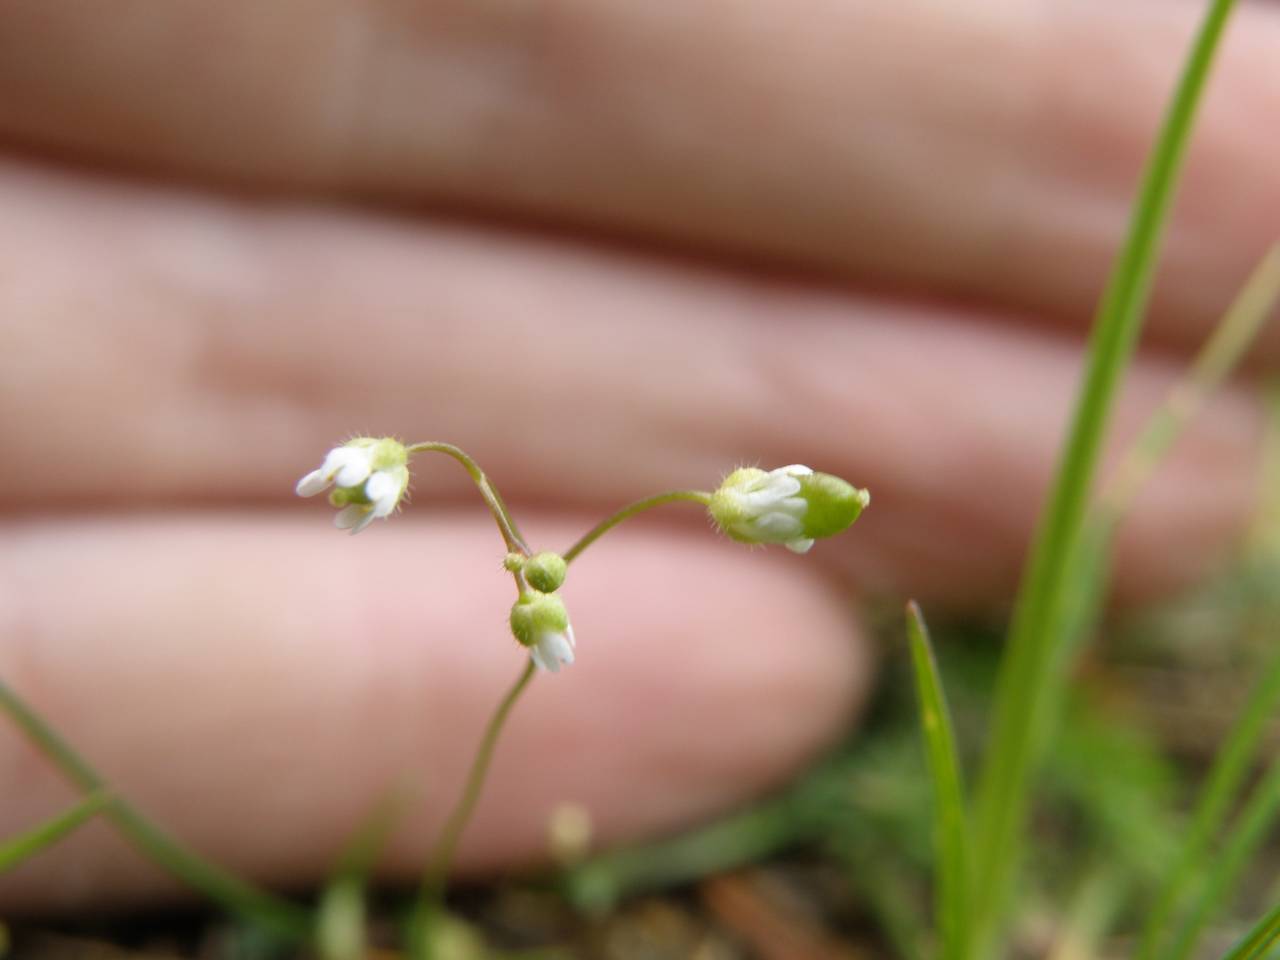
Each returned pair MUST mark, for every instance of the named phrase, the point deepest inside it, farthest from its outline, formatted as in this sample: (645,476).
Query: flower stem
(506,523)
(276,915)
(431,894)
(627,512)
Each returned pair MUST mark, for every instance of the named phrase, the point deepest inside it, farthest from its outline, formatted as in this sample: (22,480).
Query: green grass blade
(951,821)
(15,851)
(1088,919)
(1238,849)
(1216,360)
(597,885)
(1022,716)
(1264,936)
(240,897)
(341,915)
(1230,767)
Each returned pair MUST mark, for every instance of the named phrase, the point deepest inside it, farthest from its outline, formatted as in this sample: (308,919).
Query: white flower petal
(380,483)
(350,515)
(798,546)
(758,501)
(795,470)
(313,483)
(777,526)
(553,650)
(561,648)
(335,460)
(356,469)
(778,485)
(367,519)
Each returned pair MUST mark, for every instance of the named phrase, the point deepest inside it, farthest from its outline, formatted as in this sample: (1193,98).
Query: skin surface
(609,248)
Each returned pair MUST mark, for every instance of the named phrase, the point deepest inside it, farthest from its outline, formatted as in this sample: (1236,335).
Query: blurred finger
(258,684)
(982,151)
(163,351)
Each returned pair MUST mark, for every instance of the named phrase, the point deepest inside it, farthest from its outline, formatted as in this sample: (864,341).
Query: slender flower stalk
(629,511)
(431,894)
(506,523)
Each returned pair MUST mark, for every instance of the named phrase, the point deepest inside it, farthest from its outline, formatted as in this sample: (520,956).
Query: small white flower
(758,507)
(369,476)
(553,648)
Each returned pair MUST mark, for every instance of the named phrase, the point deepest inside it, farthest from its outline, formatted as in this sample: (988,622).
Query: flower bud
(790,505)
(545,571)
(540,622)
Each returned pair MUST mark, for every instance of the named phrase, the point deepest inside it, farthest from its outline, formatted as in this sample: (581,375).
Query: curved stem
(506,523)
(627,512)
(433,880)
(274,914)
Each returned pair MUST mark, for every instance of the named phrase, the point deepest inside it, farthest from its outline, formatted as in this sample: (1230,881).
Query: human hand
(618,248)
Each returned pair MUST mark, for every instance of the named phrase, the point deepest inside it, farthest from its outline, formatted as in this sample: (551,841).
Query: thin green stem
(272,913)
(506,523)
(1024,700)
(627,512)
(434,878)
(45,835)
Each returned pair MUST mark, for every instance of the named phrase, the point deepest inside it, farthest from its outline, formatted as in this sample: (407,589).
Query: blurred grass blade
(1096,905)
(1258,941)
(760,831)
(341,916)
(1216,360)
(13,852)
(1238,849)
(1231,339)
(1024,702)
(273,914)
(951,822)
(1265,537)
(1230,767)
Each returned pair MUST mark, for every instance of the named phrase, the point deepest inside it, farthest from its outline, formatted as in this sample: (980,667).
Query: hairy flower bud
(545,571)
(540,622)
(790,505)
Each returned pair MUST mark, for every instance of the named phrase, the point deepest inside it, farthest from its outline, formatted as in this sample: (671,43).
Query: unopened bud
(790,505)
(545,571)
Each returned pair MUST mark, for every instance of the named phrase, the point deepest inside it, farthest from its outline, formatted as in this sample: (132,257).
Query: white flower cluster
(369,477)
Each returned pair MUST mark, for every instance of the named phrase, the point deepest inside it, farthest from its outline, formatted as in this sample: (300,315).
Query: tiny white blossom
(758,507)
(369,477)
(553,648)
